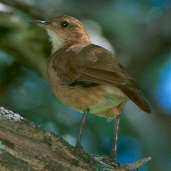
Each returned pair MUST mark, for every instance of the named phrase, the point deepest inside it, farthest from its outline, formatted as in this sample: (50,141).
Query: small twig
(137,164)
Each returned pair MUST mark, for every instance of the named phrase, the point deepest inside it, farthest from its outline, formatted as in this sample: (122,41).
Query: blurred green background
(138,32)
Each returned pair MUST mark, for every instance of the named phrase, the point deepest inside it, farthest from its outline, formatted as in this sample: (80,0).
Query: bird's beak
(40,22)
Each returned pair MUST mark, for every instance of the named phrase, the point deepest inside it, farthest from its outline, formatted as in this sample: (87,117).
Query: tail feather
(136,96)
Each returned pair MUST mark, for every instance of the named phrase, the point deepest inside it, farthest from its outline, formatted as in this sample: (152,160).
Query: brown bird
(87,77)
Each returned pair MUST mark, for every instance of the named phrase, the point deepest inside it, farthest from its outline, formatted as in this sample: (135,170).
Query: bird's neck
(58,43)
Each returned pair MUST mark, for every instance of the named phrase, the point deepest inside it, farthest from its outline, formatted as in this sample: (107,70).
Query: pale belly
(103,100)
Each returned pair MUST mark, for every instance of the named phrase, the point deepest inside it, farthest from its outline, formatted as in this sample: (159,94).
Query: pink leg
(78,145)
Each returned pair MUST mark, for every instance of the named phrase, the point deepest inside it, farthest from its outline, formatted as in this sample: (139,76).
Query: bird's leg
(78,145)
(112,158)
(113,155)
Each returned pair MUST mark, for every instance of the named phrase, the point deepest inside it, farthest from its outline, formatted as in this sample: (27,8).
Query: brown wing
(105,68)
(95,64)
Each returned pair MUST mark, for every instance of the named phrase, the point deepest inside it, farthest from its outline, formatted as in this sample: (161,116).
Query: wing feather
(95,64)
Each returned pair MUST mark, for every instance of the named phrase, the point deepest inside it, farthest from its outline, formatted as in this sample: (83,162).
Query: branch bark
(25,147)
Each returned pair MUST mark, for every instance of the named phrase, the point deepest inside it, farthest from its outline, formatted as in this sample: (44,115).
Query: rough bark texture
(23,146)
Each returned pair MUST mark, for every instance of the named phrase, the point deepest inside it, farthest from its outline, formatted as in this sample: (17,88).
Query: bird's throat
(56,41)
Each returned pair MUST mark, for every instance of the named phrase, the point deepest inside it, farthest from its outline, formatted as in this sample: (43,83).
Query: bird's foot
(107,162)
(112,160)
(79,148)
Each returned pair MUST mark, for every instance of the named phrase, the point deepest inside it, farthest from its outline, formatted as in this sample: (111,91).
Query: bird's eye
(64,24)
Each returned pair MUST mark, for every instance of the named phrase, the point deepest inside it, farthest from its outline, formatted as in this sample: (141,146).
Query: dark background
(138,32)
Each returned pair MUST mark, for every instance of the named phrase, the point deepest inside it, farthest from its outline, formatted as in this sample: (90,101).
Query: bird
(87,77)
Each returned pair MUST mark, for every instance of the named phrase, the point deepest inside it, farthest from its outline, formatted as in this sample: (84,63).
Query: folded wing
(95,64)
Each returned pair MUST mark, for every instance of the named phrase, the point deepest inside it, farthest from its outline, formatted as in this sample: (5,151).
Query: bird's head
(64,31)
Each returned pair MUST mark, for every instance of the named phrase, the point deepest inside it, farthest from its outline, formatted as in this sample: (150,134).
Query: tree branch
(23,146)
(26,8)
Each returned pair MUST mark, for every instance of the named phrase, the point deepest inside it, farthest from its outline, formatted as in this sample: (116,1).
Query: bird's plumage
(87,77)
(94,65)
